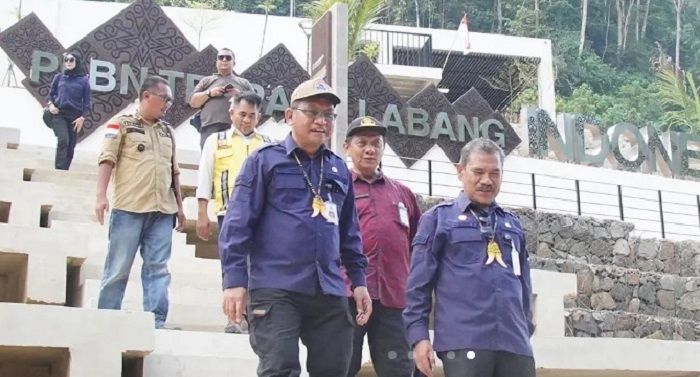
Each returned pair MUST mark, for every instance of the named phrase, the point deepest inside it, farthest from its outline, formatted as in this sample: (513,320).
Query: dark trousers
(387,342)
(479,363)
(279,318)
(210,129)
(62,125)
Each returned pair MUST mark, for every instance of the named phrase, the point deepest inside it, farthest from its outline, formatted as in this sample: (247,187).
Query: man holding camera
(213,93)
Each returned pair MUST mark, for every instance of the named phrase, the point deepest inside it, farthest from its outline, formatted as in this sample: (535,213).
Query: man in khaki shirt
(139,155)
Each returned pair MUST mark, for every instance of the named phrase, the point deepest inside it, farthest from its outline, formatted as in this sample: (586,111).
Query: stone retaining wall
(588,323)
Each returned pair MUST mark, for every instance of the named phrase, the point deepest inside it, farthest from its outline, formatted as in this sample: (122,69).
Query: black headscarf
(79,69)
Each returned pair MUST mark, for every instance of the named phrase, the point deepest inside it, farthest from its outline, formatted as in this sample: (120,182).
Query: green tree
(680,98)
(360,14)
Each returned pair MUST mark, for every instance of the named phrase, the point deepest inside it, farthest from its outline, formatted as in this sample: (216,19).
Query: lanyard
(317,192)
(490,233)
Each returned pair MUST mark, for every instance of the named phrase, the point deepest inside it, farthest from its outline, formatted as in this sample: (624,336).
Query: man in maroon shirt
(388,215)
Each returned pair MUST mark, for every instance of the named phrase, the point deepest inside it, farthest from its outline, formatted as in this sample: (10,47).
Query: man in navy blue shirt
(290,225)
(470,253)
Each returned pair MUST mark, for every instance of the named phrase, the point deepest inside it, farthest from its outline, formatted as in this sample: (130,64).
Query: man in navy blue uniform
(470,253)
(290,225)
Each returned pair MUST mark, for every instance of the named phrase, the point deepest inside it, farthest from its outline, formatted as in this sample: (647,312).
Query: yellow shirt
(144,164)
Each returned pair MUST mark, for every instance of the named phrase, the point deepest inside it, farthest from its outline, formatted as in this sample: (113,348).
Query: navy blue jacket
(268,237)
(71,93)
(477,306)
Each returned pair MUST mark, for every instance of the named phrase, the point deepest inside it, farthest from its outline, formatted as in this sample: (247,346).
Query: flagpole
(452,45)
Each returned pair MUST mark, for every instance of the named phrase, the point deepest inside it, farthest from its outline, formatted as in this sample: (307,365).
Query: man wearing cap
(469,253)
(388,215)
(213,93)
(290,225)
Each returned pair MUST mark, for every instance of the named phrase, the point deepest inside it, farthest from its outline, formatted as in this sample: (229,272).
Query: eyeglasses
(226,58)
(68,59)
(166,98)
(330,116)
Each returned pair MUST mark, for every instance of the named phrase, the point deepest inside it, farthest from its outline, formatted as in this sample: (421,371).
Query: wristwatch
(208,93)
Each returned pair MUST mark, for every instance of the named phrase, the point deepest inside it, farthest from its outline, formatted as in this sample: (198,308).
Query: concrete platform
(94,341)
(9,137)
(187,353)
(49,253)
(38,203)
(191,308)
(593,357)
(197,354)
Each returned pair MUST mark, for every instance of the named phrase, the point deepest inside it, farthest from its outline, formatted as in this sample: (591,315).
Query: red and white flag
(463,35)
(112,131)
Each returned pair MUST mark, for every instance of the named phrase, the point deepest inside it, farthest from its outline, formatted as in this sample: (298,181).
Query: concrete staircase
(52,255)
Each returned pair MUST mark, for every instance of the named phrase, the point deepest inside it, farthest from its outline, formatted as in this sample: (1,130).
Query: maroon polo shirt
(386,241)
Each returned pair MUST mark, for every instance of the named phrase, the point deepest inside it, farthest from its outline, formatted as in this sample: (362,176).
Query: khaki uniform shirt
(144,164)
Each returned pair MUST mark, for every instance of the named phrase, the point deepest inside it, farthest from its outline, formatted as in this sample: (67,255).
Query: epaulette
(446,203)
(513,216)
(509,212)
(123,117)
(268,146)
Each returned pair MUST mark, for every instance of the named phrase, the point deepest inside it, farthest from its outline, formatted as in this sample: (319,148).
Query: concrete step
(37,260)
(193,354)
(85,342)
(64,178)
(43,157)
(196,354)
(37,203)
(9,138)
(189,309)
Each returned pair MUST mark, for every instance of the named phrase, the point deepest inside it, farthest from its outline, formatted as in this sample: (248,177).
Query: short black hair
(250,97)
(229,50)
(151,82)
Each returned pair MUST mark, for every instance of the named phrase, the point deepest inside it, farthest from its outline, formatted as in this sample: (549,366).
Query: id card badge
(331,211)
(515,257)
(403,214)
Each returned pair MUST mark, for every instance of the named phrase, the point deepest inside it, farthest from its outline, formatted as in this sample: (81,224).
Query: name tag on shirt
(330,212)
(515,257)
(403,214)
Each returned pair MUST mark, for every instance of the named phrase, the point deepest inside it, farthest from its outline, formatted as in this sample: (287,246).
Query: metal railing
(398,47)
(655,213)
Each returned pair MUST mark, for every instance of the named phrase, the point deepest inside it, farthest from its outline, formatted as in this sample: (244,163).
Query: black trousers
(387,342)
(210,129)
(279,318)
(479,363)
(62,125)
